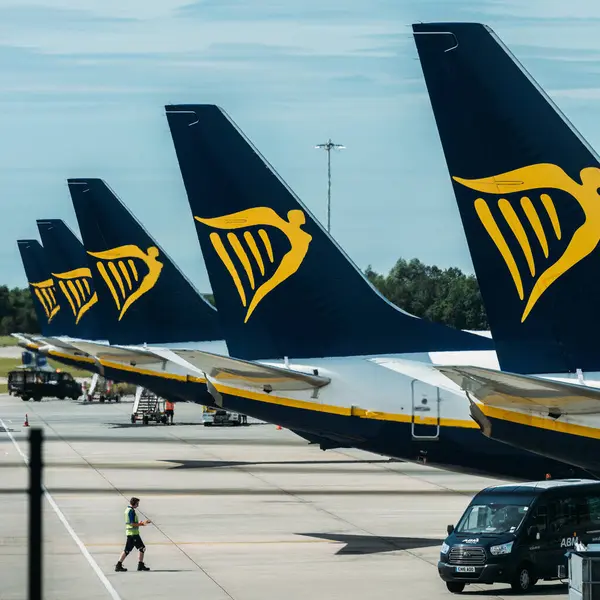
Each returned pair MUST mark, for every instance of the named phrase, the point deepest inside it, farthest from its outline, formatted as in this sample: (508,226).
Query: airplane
(68,268)
(44,289)
(64,252)
(317,349)
(526,183)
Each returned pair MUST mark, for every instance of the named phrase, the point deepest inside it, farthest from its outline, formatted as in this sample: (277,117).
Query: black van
(519,533)
(38,384)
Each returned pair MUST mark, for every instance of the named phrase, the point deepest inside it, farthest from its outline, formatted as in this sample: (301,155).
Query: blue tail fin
(526,184)
(69,269)
(50,307)
(143,295)
(282,285)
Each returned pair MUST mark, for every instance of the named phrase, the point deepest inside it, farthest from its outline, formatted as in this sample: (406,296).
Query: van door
(539,549)
(561,533)
(425,419)
(592,528)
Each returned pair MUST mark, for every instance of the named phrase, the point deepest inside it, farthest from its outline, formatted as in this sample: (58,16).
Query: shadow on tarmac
(373,544)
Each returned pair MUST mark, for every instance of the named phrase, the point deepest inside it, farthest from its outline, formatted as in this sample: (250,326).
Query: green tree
(17,314)
(446,296)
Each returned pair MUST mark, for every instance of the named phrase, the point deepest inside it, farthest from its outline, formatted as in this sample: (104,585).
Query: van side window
(593,504)
(562,514)
(539,518)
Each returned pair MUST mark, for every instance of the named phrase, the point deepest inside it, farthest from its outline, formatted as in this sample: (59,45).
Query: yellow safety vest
(131,517)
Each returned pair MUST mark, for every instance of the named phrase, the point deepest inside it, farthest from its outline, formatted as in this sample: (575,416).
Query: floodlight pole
(328,147)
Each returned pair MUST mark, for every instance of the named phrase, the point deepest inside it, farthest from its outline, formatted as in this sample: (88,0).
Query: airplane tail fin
(144,296)
(526,183)
(68,264)
(48,304)
(282,284)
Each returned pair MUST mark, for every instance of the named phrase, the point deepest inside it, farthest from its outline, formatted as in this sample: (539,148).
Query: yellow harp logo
(260,249)
(45,292)
(75,285)
(119,269)
(528,179)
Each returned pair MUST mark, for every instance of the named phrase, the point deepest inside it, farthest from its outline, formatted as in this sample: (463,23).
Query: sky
(83,86)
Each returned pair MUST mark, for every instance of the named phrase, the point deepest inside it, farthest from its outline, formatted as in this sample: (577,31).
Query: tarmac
(244,513)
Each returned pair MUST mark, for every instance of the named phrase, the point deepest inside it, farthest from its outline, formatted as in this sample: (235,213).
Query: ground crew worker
(132,528)
(170,410)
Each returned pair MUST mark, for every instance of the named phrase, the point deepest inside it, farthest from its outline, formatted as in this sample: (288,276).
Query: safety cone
(278,426)
(26,424)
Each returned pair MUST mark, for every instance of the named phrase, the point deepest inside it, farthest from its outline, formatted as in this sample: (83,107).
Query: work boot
(142,567)
(119,567)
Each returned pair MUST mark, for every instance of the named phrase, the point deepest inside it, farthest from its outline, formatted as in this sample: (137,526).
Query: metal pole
(35,514)
(329,145)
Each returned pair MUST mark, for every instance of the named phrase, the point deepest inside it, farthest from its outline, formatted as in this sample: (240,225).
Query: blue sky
(83,84)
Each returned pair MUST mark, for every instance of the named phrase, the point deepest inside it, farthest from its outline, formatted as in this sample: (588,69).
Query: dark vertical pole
(35,514)
(329,146)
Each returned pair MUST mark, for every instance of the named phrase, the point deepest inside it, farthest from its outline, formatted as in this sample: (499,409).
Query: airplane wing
(524,392)
(232,371)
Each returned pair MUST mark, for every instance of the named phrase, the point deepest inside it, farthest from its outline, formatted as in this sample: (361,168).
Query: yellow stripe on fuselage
(288,402)
(539,422)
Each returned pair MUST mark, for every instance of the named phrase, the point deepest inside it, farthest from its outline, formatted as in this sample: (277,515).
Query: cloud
(83,84)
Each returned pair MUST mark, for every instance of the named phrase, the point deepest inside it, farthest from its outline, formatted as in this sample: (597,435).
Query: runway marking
(105,582)
(120,493)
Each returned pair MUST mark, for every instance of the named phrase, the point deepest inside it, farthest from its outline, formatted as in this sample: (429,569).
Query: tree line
(446,296)
(17,314)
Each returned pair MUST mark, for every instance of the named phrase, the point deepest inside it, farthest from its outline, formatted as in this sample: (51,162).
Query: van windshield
(492,519)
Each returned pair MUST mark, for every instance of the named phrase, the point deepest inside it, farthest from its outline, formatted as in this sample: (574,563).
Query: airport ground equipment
(219,416)
(147,407)
(584,575)
(34,383)
(102,389)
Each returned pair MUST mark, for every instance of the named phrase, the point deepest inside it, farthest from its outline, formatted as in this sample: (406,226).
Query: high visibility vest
(169,405)
(131,518)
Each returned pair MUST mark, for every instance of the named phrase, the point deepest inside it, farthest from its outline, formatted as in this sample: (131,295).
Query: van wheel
(455,587)
(523,580)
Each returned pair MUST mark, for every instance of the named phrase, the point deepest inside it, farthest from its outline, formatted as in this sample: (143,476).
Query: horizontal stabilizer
(231,371)
(58,343)
(25,339)
(126,356)
(524,392)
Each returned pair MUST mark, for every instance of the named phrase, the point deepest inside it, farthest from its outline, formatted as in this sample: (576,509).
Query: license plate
(465,569)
